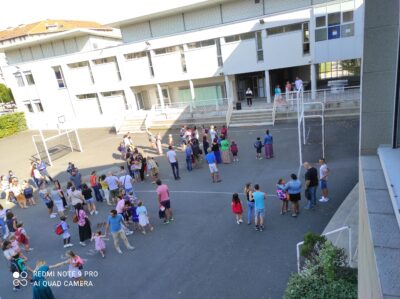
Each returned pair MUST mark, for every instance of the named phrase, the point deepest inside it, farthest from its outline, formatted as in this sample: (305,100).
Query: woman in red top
(95,186)
(237,208)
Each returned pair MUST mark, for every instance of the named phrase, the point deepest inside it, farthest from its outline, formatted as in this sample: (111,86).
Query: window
(338,69)
(28,106)
(166,50)
(78,64)
(320,21)
(137,55)
(38,105)
(321,34)
(201,44)
(20,80)
(334,18)
(112,93)
(88,96)
(306,39)
(104,60)
(232,38)
(150,64)
(29,78)
(284,29)
(219,53)
(334,32)
(347,16)
(347,30)
(248,35)
(183,60)
(59,76)
(118,71)
(238,37)
(260,52)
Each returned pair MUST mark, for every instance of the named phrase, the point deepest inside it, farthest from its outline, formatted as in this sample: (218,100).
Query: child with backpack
(282,195)
(237,208)
(234,151)
(258,146)
(62,229)
(99,243)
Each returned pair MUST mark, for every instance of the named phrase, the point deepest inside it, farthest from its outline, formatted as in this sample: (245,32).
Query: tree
(6,95)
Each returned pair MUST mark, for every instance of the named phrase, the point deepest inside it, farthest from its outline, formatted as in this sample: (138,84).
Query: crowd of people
(75,204)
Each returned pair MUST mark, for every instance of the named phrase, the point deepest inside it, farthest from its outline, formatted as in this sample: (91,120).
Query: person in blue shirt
(293,187)
(189,154)
(259,198)
(268,140)
(212,164)
(115,223)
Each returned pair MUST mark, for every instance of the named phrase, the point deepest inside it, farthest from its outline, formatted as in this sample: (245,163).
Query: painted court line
(194,191)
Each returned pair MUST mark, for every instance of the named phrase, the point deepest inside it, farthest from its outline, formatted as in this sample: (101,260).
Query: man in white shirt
(113,185)
(249,97)
(323,179)
(171,156)
(125,182)
(299,84)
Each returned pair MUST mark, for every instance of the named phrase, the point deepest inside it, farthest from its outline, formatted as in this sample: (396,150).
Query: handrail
(326,234)
(229,112)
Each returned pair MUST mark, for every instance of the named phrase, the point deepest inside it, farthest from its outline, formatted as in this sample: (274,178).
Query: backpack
(59,230)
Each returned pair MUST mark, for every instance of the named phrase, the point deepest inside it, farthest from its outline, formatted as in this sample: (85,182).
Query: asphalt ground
(203,253)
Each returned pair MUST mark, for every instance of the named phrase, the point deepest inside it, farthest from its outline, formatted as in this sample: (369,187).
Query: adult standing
(288,90)
(164,200)
(323,179)
(278,94)
(298,84)
(95,186)
(40,287)
(126,182)
(213,133)
(85,231)
(224,131)
(61,191)
(259,204)
(158,144)
(215,149)
(113,185)
(293,187)
(37,177)
(248,191)
(76,178)
(42,167)
(311,184)
(189,156)
(173,160)
(16,190)
(268,145)
(249,97)
(225,150)
(76,197)
(212,164)
(206,144)
(115,224)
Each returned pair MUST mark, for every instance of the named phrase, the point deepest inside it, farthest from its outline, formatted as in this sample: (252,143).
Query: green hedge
(12,123)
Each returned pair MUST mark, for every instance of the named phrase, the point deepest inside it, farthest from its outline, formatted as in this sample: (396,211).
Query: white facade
(195,47)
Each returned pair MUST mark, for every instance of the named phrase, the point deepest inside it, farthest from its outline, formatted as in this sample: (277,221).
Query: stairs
(242,118)
(132,124)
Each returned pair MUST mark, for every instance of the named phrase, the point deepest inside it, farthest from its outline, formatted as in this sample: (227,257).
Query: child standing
(143,218)
(153,168)
(99,243)
(87,194)
(28,193)
(237,208)
(65,232)
(21,237)
(258,146)
(282,195)
(234,151)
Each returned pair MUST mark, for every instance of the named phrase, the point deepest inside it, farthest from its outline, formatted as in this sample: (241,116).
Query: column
(228,89)
(192,92)
(267,86)
(160,95)
(313,73)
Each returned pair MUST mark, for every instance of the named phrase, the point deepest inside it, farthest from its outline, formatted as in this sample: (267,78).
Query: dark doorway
(256,82)
(280,76)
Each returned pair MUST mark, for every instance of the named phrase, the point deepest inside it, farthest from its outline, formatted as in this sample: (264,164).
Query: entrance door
(253,80)
(139,101)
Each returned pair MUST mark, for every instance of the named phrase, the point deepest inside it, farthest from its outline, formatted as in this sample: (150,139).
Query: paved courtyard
(203,253)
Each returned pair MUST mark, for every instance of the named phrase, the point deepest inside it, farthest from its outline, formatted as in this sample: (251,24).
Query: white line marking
(193,191)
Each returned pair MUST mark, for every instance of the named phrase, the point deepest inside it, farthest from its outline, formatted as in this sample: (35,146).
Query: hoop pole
(79,141)
(69,141)
(298,129)
(45,147)
(34,143)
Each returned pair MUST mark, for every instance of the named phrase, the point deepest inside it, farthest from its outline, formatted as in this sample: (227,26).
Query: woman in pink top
(85,232)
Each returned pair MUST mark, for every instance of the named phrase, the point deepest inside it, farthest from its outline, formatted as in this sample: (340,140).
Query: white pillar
(267,86)
(228,89)
(192,92)
(160,96)
(313,73)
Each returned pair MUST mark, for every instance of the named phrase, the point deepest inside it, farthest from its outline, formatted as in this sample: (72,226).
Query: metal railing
(200,106)
(327,234)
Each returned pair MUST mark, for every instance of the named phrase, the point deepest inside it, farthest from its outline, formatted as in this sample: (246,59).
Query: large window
(219,53)
(28,106)
(19,79)
(29,78)
(137,55)
(78,64)
(59,76)
(166,50)
(38,105)
(150,63)
(338,69)
(284,29)
(104,60)
(260,52)
(334,25)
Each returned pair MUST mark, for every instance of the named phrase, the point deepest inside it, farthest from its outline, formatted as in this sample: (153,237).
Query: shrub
(325,274)
(312,244)
(12,123)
